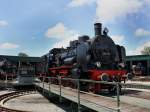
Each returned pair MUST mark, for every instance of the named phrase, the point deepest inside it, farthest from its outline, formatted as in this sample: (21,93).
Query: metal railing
(60,79)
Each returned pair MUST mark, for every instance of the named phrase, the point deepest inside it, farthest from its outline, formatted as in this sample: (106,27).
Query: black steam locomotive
(98,58)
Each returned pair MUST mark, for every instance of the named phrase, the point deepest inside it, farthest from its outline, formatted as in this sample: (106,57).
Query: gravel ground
(33,103)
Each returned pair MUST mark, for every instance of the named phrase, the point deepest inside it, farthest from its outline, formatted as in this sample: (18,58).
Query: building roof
(22,59)
(137,57)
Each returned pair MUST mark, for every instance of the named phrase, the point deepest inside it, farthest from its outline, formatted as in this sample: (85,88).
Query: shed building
(144,60)
(13,63)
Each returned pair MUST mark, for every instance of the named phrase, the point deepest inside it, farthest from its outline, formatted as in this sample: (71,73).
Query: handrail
(129,85)
(59,78)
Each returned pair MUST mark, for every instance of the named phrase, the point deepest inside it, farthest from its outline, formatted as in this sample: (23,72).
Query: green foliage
(21,54)
(146,51)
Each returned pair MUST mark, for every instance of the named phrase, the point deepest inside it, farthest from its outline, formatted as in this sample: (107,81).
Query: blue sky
(36,26)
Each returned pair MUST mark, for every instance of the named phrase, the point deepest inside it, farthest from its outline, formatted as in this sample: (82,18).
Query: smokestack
(98,29)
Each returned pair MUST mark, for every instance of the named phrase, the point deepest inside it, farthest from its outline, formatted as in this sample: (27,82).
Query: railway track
(4,98)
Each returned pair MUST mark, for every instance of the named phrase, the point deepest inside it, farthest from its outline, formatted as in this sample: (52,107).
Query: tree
(21,54)
(146,51)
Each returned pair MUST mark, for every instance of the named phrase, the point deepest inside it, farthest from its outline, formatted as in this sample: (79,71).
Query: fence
(60,79)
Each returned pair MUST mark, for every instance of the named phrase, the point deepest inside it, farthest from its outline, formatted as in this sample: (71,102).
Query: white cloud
(65,42)
(138,50)
(62,34)
(147,2)
(118,39)
(8,45)
(76,3)
(111,10)
(3,23)
(142,32)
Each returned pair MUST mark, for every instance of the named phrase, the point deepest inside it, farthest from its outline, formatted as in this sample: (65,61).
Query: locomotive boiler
(97,58)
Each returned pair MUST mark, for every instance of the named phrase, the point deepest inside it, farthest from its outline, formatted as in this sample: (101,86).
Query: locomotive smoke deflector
(98,29)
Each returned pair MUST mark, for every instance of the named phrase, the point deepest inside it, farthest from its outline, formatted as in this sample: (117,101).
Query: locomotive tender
(98,58)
